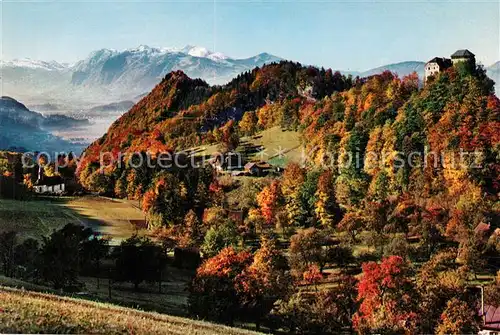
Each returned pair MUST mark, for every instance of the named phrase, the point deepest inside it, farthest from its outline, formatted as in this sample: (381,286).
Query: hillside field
(29,312)
(278,146)
(39,217)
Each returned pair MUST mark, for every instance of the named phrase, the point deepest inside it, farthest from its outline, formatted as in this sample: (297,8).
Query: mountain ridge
(108,75)
(23,128)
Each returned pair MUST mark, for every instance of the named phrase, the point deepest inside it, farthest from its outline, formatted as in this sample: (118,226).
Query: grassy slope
(108,216)
(273,141)
(40,217)
(34,218)
(30,312)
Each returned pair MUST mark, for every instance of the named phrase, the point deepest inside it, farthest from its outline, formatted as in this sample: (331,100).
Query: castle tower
(463,55)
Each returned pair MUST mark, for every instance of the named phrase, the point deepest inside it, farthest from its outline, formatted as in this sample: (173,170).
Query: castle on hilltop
(439,64)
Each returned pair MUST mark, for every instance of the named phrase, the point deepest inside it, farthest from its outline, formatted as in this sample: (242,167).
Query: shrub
(220,237)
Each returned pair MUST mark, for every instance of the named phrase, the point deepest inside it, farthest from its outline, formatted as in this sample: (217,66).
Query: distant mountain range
(494,73)
(23,130)
(107,76)
(113,107)
(402,69)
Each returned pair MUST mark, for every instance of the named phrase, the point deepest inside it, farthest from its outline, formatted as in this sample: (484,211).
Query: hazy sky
(348,35)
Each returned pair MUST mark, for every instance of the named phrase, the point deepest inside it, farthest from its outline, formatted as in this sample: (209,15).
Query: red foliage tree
(387,299)
(212,291)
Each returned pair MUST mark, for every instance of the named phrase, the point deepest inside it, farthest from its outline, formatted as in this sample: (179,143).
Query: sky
(347,35)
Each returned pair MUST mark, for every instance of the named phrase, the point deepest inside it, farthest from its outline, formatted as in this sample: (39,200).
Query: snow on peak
(145,49)
(202,52)
(101,53)
(193,51)
(196,51)
(33,64)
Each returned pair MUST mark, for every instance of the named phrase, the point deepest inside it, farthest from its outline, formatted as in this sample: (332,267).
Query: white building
(50,185)
(436,65)
(439,64)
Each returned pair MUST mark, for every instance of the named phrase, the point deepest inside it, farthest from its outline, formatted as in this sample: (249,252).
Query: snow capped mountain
(203,53)
(108,75)
(134,71)
(33,64)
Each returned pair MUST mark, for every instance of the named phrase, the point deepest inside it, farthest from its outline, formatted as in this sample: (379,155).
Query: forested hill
(181,112)
(382,114)
(409,212)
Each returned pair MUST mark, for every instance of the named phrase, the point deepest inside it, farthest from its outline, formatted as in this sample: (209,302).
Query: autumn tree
(306,249)
(335,307)
(437,282)
(352,223)
(248,123)
(264,281)
(467,227)
(377,217)
(328,311)
(351,187)
(96,181)
(268,201)
(191,231)
(229,137)
(293,178)
(379,189)
(327,210)
(312,276)
(254,221)
(164,202)
(387,298)
(212,293)
(216,193)
(429,223)
(459,317)
(492,292)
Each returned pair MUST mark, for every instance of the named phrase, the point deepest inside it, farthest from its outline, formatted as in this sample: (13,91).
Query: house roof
(492,317)
(441,61)
(250,165)
(482,228)
(260,165)
(264,165)
(462,53)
